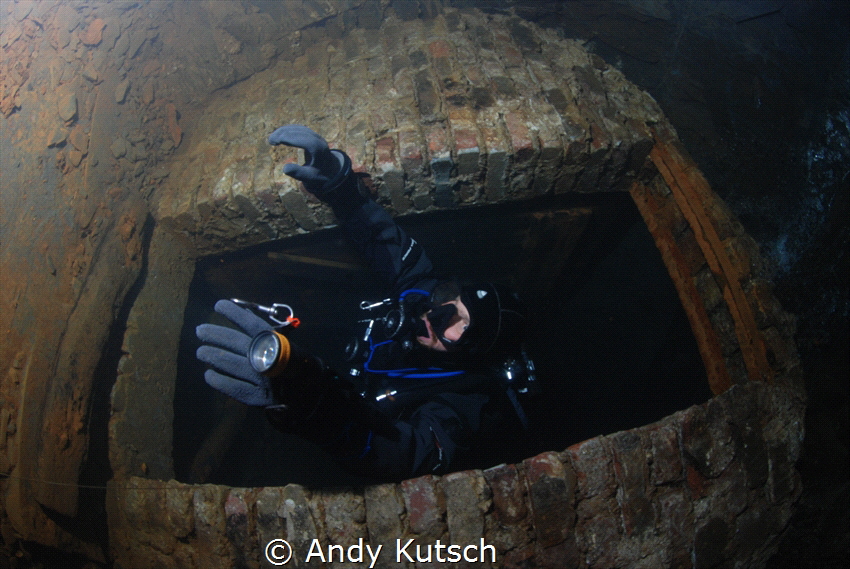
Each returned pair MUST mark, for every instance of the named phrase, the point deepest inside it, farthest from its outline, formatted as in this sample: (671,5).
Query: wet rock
(466,501)
(709,542)
(121,91)
(136,40)
(59,38)
(425,505)
(295,204)
(67,106)
(300,526)
(90,73)
(159,173)
(67,18)
(507,489)
(344,517)
(551,487)
(21,10)
(75,157)
(11,35)
(94,33)
(707,439)
(9,102)
(136,153)
(119,147)
(151,67)
(57,137)
(122,44)
(98,60)
(80,139)
(110,33)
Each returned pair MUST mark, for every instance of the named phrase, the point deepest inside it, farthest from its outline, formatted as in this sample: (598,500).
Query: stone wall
(710,485)
(741,330)
(134,151)
(463,109)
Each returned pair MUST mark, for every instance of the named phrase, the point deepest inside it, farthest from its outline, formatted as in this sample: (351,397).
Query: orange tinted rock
(94,33)
(80,139)
(75,156)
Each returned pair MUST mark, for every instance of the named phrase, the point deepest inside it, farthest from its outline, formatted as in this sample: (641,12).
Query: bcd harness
(395,323)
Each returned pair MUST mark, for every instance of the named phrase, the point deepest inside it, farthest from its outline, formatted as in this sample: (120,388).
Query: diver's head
(473,318)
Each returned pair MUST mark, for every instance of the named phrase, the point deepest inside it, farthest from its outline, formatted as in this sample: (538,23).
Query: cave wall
(164,159)
(94,94)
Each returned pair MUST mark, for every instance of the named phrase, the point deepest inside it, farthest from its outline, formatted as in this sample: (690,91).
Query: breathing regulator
(389,319)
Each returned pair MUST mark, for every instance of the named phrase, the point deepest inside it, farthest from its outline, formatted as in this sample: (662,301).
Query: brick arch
(692,486)
(475,109)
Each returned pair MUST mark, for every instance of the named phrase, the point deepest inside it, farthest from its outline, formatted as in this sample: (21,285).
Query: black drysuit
(445,414)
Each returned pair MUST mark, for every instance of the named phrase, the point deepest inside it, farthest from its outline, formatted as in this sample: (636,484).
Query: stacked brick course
(464,109)
(742,332)
(709,484)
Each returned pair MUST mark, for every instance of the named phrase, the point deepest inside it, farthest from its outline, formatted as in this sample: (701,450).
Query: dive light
(269,353)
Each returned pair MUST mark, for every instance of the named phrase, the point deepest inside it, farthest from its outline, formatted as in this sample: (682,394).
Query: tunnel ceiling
(130,153)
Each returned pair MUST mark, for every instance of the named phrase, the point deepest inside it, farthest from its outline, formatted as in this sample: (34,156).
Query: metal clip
(274,312)
(366,305)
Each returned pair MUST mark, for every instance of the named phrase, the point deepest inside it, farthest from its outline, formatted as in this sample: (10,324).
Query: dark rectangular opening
(611,342)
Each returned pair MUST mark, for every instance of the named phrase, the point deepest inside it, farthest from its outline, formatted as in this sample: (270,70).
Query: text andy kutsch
(278,552)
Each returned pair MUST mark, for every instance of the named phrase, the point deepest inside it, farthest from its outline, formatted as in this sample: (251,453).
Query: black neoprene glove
(323,169)
(228,354)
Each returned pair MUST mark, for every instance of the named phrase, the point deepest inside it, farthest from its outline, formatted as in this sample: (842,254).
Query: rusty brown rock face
(93,35)
(458,110)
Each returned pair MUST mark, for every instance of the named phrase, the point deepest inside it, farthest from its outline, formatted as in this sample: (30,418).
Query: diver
(439,379)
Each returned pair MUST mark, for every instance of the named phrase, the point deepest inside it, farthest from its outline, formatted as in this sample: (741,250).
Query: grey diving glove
(227,353)
(323,169)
